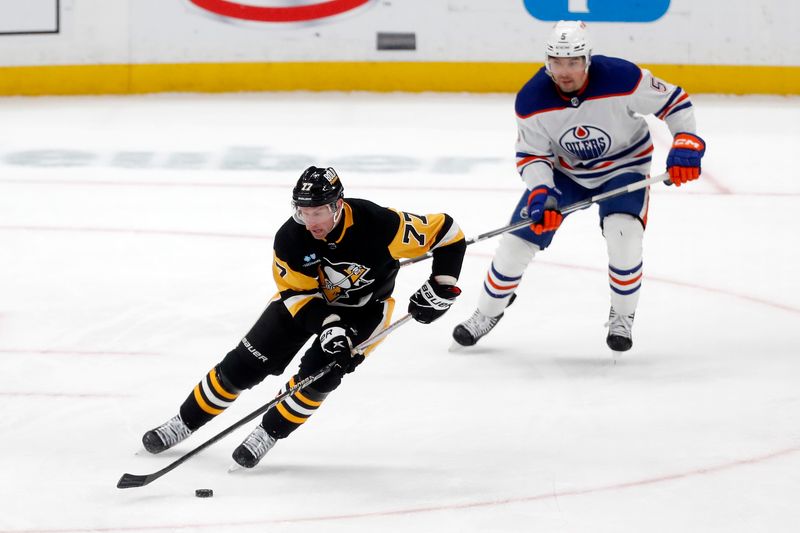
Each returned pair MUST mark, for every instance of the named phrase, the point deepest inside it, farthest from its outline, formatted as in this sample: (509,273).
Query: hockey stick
(132,480)
(577,206)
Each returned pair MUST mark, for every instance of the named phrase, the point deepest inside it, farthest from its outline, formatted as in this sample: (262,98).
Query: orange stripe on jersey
(645,152)
(202,403)
(670,108)
(629,282)
(564,163)
(218,387)
(525,160)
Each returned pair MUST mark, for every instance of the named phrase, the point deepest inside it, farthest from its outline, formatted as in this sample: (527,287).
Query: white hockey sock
(509,263)
(624,234)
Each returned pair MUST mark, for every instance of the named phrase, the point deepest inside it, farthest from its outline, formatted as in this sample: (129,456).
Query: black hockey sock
(292,411)
(209,398)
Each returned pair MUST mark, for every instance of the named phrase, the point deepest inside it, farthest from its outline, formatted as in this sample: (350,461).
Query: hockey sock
(209,398)
(505,273)
(292,411)
(624,234)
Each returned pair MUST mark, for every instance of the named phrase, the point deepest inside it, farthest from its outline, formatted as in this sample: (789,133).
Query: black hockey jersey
(357,263)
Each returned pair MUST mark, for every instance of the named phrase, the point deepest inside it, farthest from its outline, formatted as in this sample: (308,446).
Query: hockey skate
(166,435)
(254,447)
(471,330)
(619,336)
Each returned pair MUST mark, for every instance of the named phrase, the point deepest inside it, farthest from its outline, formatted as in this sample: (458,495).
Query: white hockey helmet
(569,38)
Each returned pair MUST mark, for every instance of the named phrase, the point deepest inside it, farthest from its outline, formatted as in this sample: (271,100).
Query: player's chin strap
(577,206)
(133,480)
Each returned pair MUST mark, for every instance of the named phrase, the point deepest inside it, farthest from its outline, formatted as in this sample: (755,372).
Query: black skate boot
(166,435)
(471,330)
(254,447)
(619,336)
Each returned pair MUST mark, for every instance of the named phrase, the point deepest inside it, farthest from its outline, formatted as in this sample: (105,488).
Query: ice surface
(135,249)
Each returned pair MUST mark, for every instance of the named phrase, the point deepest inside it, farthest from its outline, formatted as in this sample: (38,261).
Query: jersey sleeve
(437,233)
(534,153)
(300,294)
(667,102)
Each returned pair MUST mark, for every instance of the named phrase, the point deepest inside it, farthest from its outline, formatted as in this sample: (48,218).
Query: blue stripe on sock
(494,294)
(625,293)
(501,277)
(625,272)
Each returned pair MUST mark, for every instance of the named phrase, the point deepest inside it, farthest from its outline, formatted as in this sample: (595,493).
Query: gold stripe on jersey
(295,303)
(418,234)
(388,309)
(453,234)
(288,279)
(348,221)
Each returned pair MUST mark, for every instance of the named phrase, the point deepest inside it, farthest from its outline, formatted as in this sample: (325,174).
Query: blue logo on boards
(598,10)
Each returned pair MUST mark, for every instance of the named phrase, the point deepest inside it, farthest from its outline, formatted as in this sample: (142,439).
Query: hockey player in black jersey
(335,263)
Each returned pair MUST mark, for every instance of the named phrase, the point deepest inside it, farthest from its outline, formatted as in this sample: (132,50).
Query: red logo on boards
(291,13)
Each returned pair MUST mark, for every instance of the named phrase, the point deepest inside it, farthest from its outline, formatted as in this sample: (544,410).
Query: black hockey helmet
(317,186)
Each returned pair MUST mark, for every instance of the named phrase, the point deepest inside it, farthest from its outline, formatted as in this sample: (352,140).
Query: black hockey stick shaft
(577,206)
(133,480)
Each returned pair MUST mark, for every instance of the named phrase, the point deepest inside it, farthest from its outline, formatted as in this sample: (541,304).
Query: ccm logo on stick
(292,11)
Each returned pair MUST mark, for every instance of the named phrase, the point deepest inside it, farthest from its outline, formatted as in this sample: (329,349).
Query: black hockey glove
(336,345)
(432,300)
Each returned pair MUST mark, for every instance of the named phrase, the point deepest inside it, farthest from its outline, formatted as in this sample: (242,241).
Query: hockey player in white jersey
(581,133)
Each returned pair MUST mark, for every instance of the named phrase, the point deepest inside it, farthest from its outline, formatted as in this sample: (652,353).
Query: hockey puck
(204,493)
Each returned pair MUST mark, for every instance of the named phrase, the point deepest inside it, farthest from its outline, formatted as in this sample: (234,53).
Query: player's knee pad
(624,234)
(239,372)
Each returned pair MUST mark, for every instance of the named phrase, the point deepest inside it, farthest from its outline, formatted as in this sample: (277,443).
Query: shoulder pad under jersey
(539,94)
(611,76)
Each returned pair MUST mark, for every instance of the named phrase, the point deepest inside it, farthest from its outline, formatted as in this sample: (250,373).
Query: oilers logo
(585,142)
(338,280)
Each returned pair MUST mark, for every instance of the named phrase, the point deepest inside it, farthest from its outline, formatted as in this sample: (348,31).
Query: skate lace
(479,324)
(259,442)
(173,431)
(620,324)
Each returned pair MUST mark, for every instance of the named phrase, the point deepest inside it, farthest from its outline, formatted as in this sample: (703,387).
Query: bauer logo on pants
(279,10)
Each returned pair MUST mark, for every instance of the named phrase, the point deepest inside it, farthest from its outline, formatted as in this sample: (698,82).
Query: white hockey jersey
(599,132)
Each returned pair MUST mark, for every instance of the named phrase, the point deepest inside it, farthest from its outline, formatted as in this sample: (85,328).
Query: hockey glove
(336,344)
(683,160)
(542,210)
(432,300)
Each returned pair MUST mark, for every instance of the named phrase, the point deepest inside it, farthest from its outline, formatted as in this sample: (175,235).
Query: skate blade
(235,467)
(456,347)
